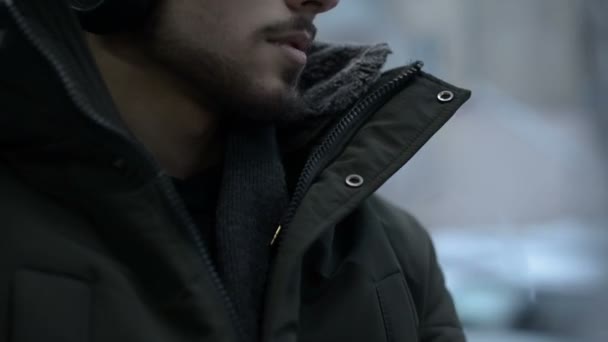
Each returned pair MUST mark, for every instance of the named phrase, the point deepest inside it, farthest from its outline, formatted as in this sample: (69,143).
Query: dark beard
(223,87)
(227,90)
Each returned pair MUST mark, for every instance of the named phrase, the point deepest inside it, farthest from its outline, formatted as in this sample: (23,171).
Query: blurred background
(514,189)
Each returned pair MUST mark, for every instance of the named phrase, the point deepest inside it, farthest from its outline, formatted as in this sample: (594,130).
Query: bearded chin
(237,96)
(227,89)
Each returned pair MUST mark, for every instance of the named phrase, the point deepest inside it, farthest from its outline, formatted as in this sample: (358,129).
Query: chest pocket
(398,309)
(51,308)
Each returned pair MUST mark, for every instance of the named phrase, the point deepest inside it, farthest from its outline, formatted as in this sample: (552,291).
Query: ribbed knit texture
(253,195)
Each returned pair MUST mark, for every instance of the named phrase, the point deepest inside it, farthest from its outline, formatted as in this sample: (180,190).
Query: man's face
(244,56)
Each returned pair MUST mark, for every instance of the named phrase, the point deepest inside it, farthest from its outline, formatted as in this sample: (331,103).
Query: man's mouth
(300,40)
(296,44)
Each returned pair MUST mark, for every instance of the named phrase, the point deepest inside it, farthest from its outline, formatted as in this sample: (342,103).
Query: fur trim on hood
(336,76)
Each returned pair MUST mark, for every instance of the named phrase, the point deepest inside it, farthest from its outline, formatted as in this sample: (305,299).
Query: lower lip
(296,55)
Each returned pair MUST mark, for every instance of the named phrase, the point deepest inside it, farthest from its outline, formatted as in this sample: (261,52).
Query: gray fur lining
(336,76)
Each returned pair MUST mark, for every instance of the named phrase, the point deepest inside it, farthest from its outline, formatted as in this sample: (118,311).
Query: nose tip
(330,4)
(314,6)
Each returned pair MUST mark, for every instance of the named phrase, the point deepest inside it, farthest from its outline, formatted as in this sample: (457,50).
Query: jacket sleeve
(438,320)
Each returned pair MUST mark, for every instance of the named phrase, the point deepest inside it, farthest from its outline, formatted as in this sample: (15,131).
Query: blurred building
(595,48)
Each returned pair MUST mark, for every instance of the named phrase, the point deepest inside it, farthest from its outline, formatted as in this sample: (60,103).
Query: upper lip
(301,40)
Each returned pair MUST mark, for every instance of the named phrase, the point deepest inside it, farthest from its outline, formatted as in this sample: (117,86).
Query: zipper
(167,188)
(323,151)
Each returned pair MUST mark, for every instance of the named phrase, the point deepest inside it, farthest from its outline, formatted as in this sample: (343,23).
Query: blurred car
(528,283)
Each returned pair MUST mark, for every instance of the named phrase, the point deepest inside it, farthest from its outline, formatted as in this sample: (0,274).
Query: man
(197,170)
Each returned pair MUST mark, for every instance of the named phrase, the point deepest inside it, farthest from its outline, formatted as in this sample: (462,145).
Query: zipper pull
(276,235)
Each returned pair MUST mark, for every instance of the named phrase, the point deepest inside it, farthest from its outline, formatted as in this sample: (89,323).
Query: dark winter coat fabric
(97,245)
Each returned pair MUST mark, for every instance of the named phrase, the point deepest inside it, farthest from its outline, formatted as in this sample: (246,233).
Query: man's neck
(161,110)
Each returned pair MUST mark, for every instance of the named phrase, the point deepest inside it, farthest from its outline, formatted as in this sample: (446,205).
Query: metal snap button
(445,96)
(354,181)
